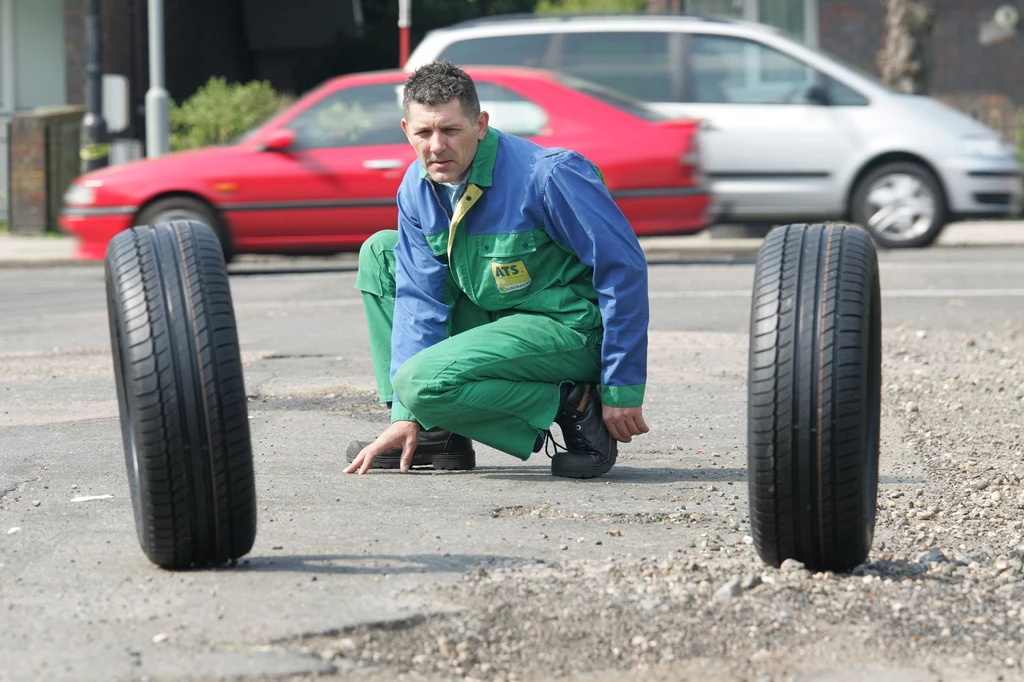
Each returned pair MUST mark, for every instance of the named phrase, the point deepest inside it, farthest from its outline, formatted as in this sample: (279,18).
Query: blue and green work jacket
(533,230)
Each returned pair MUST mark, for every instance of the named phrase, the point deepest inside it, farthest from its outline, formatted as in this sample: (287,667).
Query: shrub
(1020,141)
(1020,134)
(220,111)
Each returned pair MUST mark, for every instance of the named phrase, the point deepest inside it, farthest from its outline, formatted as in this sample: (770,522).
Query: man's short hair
(439,83)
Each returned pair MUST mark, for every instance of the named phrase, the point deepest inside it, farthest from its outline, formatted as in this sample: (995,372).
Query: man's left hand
(624,422)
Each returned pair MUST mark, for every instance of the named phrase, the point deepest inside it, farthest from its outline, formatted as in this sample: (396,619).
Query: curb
(655,247)
(30,263)
(666,247)
(31,252)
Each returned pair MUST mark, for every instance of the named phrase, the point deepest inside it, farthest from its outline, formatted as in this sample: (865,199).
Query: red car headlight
(80,195)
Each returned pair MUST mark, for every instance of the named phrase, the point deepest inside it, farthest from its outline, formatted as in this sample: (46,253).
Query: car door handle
(708,125)
(382,164)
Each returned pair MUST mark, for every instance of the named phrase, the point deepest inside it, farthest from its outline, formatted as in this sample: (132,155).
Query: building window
(789,16)
(799,18)
(6,56)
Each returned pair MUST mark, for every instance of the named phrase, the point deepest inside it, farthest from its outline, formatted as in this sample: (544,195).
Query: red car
(321,176)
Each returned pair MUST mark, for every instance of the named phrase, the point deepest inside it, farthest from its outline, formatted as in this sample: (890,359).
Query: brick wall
(963,64)
(28,175)
(44,160)
(851,30)
(985,81)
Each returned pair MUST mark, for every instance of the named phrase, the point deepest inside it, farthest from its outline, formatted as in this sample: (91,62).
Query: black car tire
(181,396)
(860,211)
(814,396)
(172,209)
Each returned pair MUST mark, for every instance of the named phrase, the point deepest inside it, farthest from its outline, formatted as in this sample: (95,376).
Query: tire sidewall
(125,397)
(873,398)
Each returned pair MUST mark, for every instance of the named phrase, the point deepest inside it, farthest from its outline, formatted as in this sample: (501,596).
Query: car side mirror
(280,140)
(818,94)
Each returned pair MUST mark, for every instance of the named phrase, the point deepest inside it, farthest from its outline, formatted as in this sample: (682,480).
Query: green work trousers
(496,377)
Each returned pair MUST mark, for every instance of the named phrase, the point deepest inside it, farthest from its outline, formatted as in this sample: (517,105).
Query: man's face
(444,138)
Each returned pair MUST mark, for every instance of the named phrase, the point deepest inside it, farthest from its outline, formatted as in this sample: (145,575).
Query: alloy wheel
(900,207)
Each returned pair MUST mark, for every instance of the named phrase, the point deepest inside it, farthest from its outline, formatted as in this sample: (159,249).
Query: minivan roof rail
(576,16)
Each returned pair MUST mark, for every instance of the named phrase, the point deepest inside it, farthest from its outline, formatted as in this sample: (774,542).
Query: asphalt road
(79,601)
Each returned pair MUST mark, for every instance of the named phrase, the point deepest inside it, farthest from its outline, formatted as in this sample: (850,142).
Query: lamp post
(404,22)
(157,98)
(94,151)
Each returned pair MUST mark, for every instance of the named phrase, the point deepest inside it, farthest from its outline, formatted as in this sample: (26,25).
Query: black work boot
(591,448)
(441,448)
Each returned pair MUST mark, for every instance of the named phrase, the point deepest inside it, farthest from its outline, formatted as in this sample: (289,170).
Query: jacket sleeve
(581,213)
(421,314)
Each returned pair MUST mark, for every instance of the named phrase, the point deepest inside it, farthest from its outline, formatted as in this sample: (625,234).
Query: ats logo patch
(511,276)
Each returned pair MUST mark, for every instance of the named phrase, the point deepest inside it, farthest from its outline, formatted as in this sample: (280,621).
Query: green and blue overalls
(478,312)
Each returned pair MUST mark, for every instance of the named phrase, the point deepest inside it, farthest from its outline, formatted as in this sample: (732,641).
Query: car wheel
(901,205)
(181,395)
(188,209)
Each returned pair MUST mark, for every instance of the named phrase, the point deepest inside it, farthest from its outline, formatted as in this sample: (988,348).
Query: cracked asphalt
(505,573)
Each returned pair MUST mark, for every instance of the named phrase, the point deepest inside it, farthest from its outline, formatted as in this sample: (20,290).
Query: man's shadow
(618,474)
(373,564)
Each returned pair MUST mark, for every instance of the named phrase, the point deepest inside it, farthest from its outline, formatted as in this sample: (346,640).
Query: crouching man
(512,296)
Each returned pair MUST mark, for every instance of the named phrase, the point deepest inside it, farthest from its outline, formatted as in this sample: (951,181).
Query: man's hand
(401,434)
(624,422)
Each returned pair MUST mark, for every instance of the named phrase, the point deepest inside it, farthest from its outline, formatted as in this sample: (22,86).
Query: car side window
(841,95)
(634,63)
(726,70)
(523,50)
(357,116)
(510,112)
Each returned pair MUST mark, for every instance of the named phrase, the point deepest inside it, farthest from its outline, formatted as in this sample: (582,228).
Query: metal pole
(404,22)
(94,151)
(158,128)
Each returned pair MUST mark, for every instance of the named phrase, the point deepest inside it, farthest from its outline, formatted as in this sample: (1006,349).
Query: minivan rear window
(636,62)
(619,100)
(522,50)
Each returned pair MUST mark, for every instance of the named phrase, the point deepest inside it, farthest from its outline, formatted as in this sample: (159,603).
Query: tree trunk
(905,58)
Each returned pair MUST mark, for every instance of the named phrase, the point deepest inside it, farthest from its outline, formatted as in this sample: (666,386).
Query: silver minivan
(790,133)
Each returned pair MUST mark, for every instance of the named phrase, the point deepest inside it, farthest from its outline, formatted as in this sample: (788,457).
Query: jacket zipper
(437,196)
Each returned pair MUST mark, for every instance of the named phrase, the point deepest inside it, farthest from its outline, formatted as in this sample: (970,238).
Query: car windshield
(619,100)
(248,135)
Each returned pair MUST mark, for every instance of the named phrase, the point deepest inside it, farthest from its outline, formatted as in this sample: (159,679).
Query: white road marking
(886,293)
(980,266)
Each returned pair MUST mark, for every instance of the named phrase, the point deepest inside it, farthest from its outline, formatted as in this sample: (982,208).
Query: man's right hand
(401,434)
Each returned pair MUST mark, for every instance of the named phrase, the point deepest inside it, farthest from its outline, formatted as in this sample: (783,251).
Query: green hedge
(1020,134)
(220,112)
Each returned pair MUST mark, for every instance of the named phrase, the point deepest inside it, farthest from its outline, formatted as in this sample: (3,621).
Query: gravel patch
(944,583)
